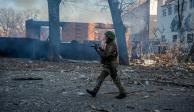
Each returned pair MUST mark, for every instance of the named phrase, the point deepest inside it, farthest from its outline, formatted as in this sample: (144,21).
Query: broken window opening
(164,12)
(169,10)
(175,9)
(174,38)
(190,38)
(191,4)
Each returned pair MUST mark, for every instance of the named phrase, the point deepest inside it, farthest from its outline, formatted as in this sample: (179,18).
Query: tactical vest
(112,57)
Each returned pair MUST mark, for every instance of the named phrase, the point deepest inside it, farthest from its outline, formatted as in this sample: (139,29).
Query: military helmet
(110,35)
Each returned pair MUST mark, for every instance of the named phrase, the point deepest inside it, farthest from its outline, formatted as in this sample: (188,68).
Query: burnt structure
(36,49)
(76,39)
(68,30)
(140,28)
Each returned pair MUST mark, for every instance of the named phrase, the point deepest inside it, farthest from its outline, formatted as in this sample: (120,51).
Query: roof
(167,3)
(46,23)
(144,4)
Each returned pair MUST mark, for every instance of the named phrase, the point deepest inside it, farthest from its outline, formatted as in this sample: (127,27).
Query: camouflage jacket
(108,54)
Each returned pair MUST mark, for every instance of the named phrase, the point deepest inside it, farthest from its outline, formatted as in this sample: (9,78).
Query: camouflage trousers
(112,71)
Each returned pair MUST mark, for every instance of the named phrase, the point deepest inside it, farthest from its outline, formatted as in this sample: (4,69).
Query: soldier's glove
(101,49)
(95,46)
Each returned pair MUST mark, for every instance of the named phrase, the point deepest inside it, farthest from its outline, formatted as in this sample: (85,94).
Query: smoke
(84,11)
(137,19)
(6,3)
(71,10)
(26,3)
(40,5)
(22,4)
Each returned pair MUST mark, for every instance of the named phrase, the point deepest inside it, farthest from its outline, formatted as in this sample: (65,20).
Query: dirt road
(41,86)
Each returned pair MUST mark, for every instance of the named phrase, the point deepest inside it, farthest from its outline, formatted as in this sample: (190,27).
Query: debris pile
(48,86)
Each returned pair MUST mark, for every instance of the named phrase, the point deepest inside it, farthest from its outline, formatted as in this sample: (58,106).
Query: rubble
(81,93)
(130,107)
(168,109)
(28,78)
(98,109)
(145,97)
(148,62)
(61,87)
(156,111)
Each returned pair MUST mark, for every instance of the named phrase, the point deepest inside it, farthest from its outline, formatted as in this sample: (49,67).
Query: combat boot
(91,92)
(121,96)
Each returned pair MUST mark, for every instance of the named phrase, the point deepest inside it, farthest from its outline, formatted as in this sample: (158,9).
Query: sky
(82,11)
(153,7)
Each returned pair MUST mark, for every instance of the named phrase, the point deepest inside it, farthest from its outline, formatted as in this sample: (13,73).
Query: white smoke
(137,19)
(84,11)
(76,11)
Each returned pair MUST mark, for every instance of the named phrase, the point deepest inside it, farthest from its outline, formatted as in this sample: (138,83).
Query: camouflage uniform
(109,61)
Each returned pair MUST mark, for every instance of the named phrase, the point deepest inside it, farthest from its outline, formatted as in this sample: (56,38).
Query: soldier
(109,60)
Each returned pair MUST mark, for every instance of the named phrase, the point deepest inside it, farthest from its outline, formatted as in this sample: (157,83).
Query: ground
(41,86)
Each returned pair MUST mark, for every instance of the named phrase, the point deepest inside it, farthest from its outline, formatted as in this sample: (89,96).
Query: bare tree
(118,9)
(5,20)
(120,31)
(12,22)
(181,53)
(180,11)
(54,29)
(180,18)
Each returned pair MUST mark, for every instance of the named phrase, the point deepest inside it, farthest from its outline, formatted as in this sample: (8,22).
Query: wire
(89,10)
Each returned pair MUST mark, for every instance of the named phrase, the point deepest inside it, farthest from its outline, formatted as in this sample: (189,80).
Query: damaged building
(168,21)
(76,40)
(68,30)
(142,24)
